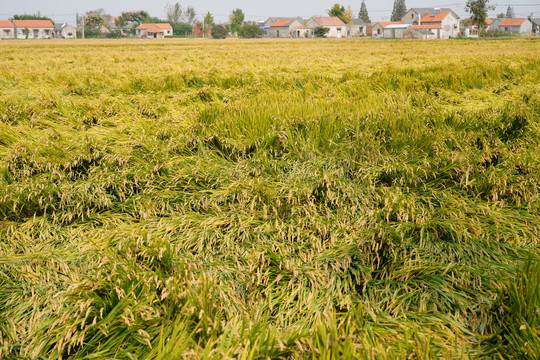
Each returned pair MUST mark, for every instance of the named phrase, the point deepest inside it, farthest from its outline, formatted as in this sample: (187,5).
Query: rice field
(321,199)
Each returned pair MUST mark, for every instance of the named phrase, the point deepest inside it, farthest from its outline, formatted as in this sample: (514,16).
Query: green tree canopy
(338,11)
(364,13)
(219,32)
(249,31)
(236,19)
(208,20)
(399,10)
(36,16)
(478,10)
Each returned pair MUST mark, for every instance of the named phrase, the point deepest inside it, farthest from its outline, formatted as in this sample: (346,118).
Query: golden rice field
(320,199)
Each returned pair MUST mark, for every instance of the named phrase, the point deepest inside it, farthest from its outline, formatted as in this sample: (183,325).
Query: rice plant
(269,199)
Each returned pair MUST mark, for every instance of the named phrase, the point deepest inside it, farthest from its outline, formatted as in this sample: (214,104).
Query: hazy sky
(65,10)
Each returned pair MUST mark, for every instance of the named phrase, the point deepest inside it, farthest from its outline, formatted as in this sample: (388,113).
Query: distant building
(288,28)
(446,18)
(516,26)
(357,28)
(377,30)
(64,31)
(7,29)
(34,29)
(156,30)
(336,27)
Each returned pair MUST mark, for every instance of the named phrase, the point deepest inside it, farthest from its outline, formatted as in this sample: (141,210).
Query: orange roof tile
(437,18)
(281,23)
(489,21)
(301,27)
(329,21)
(388,23)
(154,29)
(512,22)
(427,26)
(33,23)
(164,26)
(6,24)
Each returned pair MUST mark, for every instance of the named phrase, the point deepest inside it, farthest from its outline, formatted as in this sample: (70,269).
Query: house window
(378,31)
(412,16)
(7,32)
(36,33)
(278,33)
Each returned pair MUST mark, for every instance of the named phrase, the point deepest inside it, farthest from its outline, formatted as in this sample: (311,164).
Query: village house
(336,27)
(377,30)
(154,30)
(294,28)
(64,31)
(7,29)
(409,31)
(357,28)
(33,29)
(516,26)
(447,20)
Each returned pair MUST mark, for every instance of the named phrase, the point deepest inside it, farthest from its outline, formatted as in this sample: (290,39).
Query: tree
(400,9)
(136,17)
(36,16)
(338,11)
(190,16)
(320,31)
(208,20)
(510,12)
(174,12)
(181,29)
(478,10)
(249,31)
(364,13)
(236,19)
(93,22)
(500,16)
(219,32)
(348,16)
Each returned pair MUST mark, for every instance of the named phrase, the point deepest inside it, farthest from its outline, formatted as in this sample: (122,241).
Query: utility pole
(83,25)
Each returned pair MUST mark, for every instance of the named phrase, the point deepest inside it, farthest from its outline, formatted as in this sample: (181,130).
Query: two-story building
(446,18)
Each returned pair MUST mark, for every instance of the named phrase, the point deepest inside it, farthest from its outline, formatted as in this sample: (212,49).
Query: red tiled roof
(512,22)
(154,29)
(437,18)
(329,21)
(388,23)
(427,26)
(6,23)
(164,26)
(281,23)
(301,27)
(33,23)
(114,18)
(489,21)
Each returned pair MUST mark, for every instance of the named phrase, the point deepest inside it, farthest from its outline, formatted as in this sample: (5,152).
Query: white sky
(66,10)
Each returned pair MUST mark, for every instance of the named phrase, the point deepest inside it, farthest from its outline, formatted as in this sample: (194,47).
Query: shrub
(321,31)
(218,32)
(249,31)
